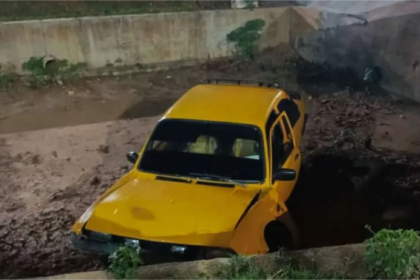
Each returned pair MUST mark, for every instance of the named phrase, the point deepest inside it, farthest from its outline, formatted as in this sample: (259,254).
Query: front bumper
(88,245)
(151,252)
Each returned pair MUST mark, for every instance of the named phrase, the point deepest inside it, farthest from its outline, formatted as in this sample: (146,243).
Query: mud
(342,199)
(49,177)
(352,184)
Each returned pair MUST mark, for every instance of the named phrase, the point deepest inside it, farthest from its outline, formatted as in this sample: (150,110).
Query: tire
(277,237)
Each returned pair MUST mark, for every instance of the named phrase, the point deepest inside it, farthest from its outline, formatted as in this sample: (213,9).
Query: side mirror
(285,175)
(132,157)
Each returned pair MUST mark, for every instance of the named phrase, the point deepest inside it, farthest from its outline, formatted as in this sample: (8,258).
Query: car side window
(287,140)
(276,147)
(291,109)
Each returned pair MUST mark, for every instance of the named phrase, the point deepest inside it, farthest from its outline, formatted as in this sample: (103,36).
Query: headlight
(134,243)
(178,249)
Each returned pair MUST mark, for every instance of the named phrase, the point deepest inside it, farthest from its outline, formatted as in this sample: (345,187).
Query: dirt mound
(46,187)
(50,177)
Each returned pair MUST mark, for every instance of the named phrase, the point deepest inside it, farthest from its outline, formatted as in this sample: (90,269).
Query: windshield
(199,148)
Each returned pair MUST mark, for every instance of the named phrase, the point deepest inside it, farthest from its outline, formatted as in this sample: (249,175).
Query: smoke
(348,7)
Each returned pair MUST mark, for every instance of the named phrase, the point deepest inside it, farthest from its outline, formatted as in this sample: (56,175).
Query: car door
(285,154)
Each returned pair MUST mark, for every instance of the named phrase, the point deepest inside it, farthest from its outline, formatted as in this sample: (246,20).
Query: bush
(57,69)
(393,254)
(6,79)
(124,263)
(246,38)
(241,267)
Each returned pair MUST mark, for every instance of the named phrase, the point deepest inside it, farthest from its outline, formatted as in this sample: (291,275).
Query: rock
(104,149)
(36,159)
(95,181)
(401,116)
(396,214)
(70,92)
(60,83)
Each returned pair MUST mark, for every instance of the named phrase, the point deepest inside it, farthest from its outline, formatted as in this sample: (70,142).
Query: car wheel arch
(279,228)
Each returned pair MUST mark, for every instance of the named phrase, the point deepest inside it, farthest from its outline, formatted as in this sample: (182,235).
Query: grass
(393,254)
(389,254)
(124,263)
(6,78)
(241,267)
(59,69)
(29,10)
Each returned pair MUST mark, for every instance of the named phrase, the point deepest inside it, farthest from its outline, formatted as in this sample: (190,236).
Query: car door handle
(296,156)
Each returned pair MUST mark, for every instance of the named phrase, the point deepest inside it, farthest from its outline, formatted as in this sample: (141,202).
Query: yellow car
(213,177)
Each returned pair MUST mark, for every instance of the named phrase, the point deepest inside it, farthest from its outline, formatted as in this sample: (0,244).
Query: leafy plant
(6,78)
(124,262)
(250,4)
(241,267)
(393,254)
(56,69)
(246,38)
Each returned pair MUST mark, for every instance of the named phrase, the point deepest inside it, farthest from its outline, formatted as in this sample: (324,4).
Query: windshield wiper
(217,177)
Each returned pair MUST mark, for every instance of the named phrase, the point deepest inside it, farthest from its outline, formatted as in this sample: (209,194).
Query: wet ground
(361,160)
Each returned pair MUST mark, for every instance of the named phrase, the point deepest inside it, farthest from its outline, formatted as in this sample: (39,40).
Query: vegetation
(241,267)
(43,74)
(6,79)
(250,4)
(246,37)
(392,254)
(124,263)
(23,10)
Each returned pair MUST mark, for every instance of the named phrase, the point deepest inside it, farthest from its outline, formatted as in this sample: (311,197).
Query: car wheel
(277,237)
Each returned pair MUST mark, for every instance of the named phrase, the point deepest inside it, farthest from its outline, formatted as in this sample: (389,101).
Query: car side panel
(248,237)
(298,127)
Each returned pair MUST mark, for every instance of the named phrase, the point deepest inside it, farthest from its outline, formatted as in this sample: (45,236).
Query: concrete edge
(346,258)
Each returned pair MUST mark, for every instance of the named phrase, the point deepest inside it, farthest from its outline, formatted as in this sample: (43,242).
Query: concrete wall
(348,6)
(391,42)
(145,39)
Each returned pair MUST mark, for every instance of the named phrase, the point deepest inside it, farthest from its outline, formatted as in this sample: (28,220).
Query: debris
(36,159)
(95,181)
(70,92)
(104,149)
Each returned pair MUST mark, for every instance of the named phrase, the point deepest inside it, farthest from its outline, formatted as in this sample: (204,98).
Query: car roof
(226,103)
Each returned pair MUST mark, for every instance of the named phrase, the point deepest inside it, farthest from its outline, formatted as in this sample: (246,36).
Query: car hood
(173,212)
